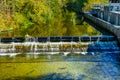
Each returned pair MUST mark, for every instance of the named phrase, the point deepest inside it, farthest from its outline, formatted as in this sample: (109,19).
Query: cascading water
(71,46)
(32,44)
(13,47)
(35,43)
(44,49)
(51,49)
(103,47)
(93,45)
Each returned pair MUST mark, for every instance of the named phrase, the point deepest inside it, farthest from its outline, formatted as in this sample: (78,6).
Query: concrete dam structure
(56,45)
(107,20)
(107,17)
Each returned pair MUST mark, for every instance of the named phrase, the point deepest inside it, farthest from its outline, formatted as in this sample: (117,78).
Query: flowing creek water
(82,60)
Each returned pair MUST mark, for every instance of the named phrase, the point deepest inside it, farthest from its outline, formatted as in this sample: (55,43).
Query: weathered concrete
(104,24)
(111,16)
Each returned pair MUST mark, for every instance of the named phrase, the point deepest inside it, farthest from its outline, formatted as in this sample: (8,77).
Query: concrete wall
(104,24)
(105,15)
(112,17)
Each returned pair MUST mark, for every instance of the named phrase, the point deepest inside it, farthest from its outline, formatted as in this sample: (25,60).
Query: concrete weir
(104,24)
(56,45)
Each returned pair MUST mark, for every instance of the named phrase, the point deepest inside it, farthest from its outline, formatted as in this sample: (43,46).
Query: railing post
(101,15)
(109,14)
(116,17)
(98,14)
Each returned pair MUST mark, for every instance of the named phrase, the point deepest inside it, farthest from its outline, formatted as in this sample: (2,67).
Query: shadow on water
(101,62)
(89,57)
(55,76)
(104,54)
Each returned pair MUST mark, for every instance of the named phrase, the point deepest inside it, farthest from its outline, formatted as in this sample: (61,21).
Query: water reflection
(97,61)
(68,30)
(60,70)
(98,66)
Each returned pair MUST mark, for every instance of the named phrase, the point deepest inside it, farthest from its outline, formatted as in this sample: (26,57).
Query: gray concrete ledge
(104,24)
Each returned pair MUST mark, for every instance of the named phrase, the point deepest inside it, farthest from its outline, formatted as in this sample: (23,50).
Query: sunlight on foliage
(43,17)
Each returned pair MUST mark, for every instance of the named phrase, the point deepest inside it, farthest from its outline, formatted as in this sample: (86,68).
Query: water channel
(97,60)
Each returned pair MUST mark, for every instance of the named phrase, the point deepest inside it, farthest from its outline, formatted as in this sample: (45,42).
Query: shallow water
(102,65)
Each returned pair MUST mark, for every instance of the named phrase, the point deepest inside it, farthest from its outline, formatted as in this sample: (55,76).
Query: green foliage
(2,23)
(42,17)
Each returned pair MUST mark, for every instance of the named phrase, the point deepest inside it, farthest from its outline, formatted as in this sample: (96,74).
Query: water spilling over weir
(60,58)
(56,45)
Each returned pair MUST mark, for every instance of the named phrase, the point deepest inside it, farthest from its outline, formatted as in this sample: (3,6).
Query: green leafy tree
(43,17)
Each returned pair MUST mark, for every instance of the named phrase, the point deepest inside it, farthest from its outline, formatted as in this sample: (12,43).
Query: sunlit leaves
(2,23)
(43,17)
(88,5)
